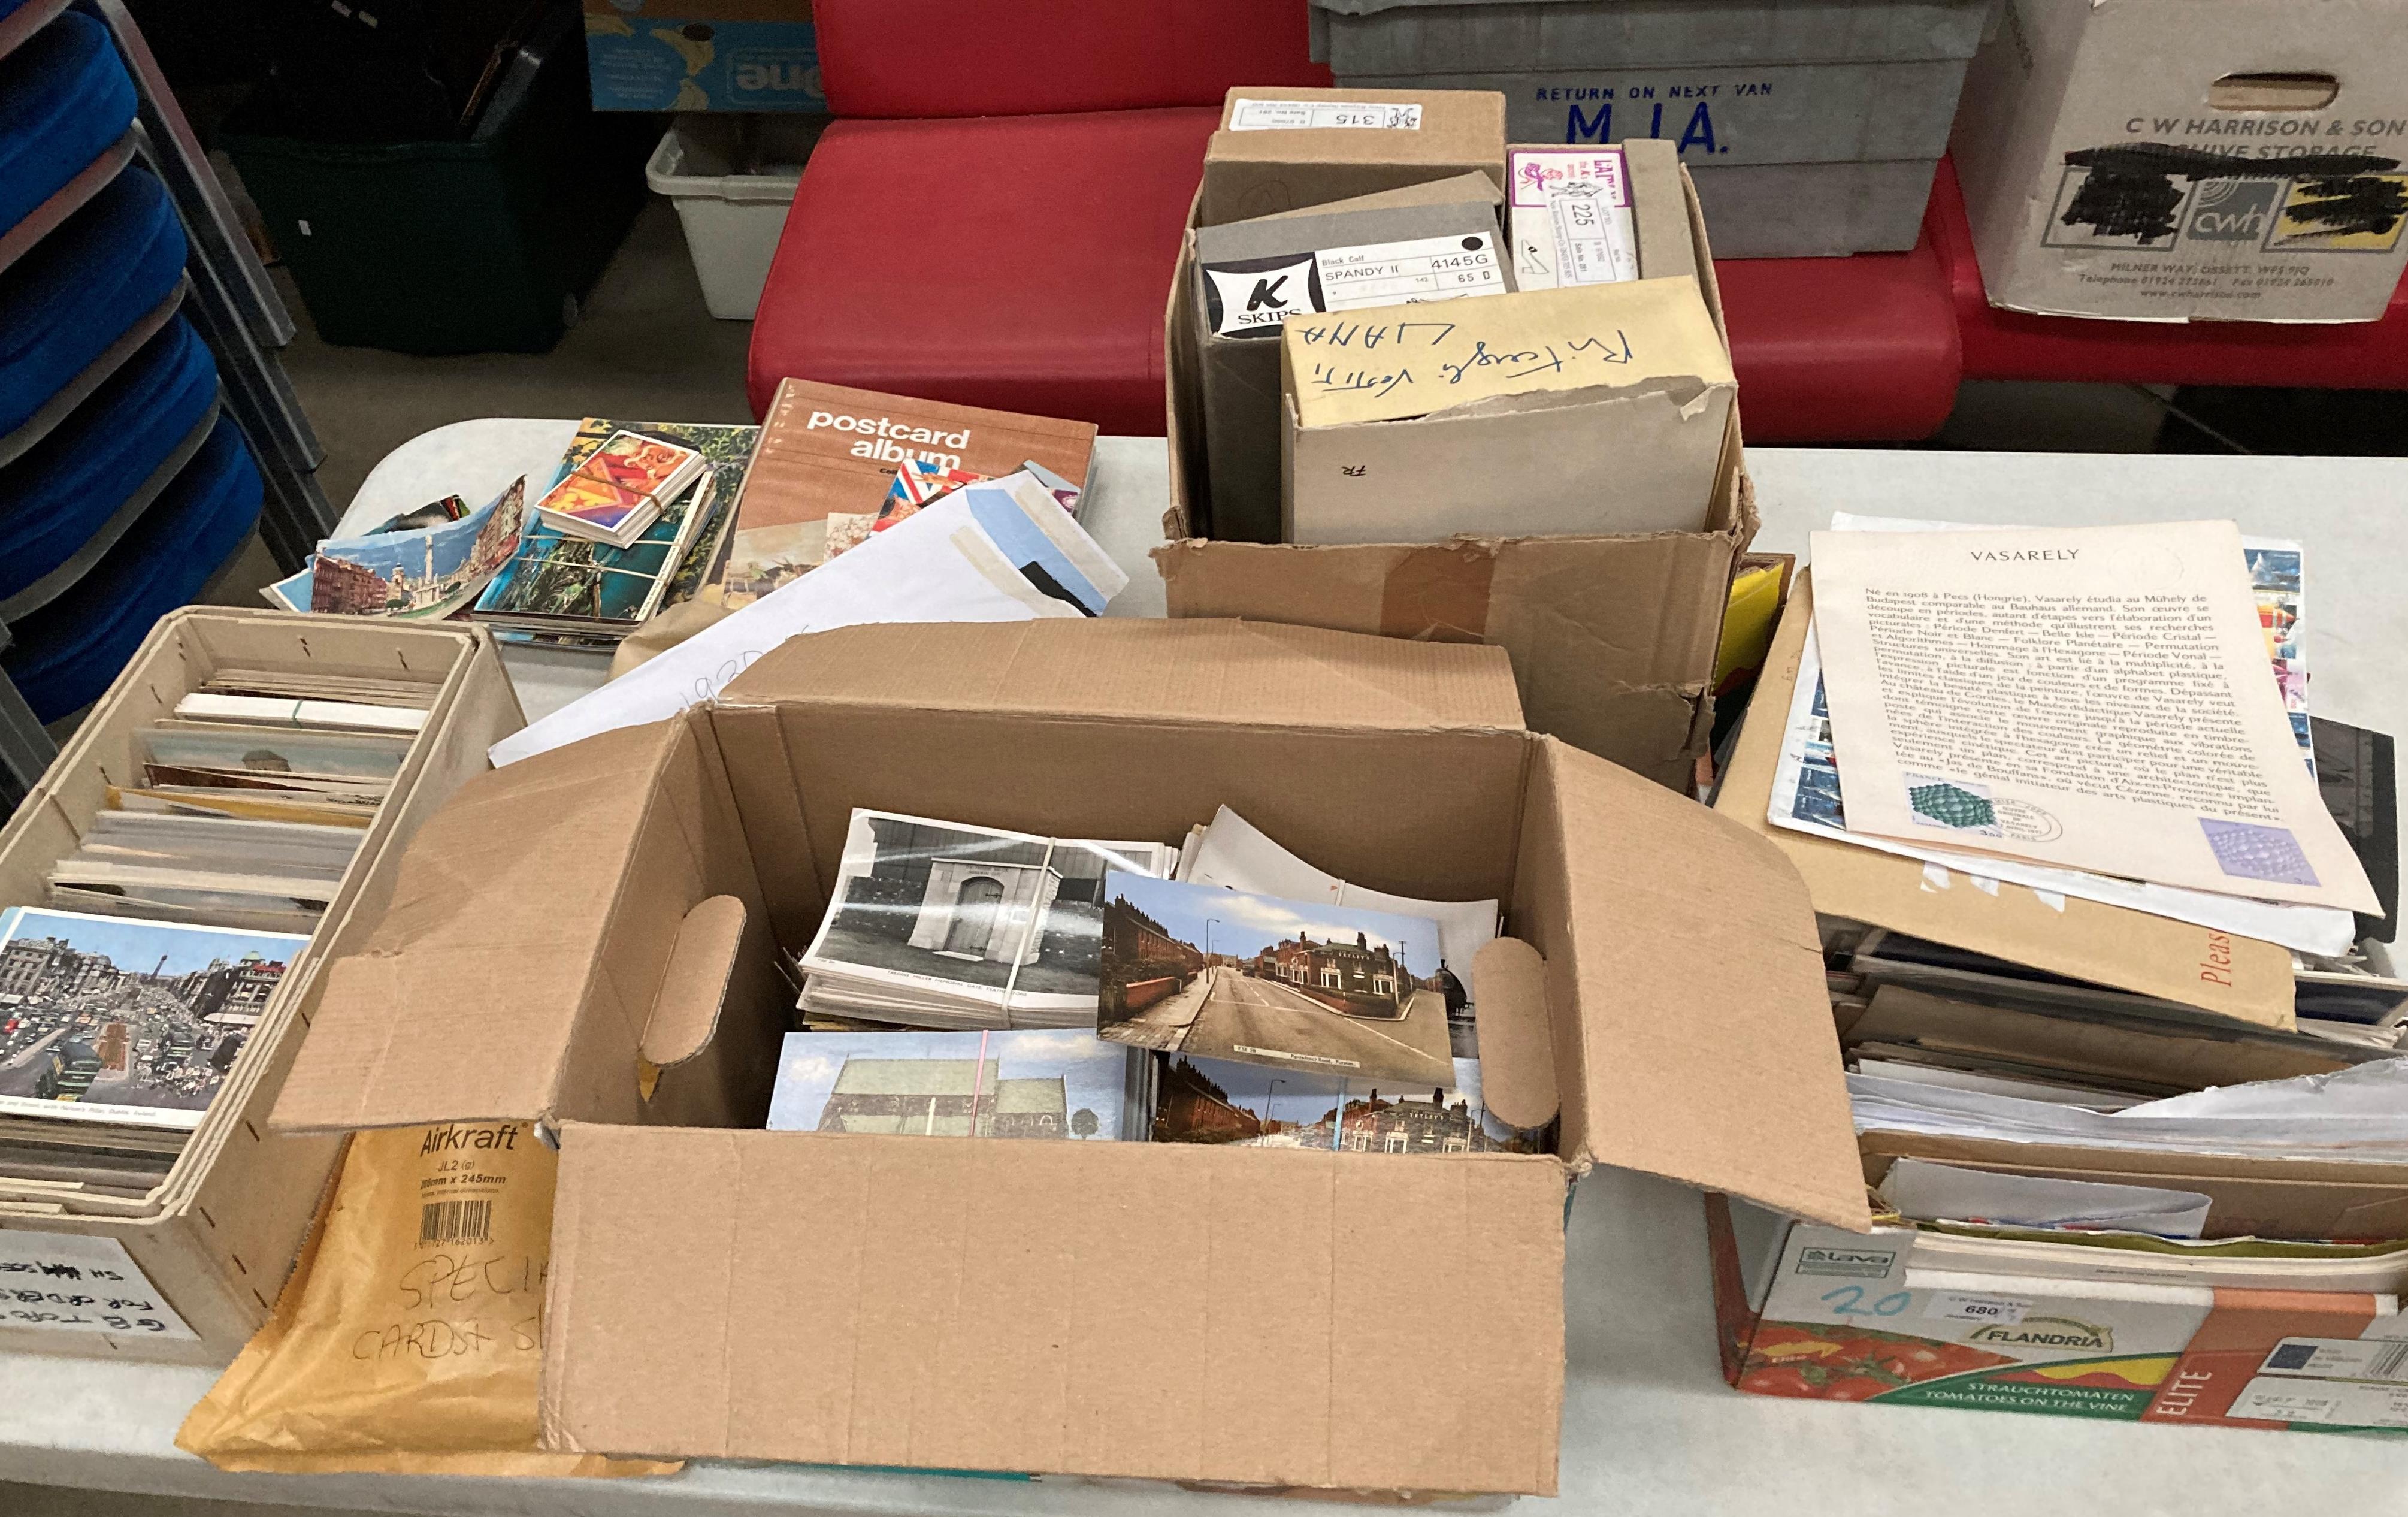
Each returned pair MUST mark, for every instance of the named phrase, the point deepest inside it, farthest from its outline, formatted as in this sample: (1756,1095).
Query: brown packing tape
(1517,1059)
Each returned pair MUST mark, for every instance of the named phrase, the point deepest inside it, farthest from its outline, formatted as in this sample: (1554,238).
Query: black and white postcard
(945,924)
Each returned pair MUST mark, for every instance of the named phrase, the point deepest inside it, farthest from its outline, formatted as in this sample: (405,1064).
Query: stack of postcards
(126,1000)
(938,924)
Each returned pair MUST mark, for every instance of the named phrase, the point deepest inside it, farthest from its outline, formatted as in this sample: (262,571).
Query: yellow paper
(1398,361)
(408,1340)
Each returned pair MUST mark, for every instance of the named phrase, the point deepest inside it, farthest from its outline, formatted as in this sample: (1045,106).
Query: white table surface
(1648,1426)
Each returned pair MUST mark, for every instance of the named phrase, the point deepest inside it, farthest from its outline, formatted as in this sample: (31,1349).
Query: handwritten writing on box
(1342,374)
(1409,361)
(70,1283)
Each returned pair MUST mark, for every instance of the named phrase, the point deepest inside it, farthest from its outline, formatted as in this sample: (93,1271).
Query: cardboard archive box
(1281,149)
(2190,160)
(1238,348)
(218,1237)
(1810,131)
(1613,639)
(1256,1316)
(1580,410)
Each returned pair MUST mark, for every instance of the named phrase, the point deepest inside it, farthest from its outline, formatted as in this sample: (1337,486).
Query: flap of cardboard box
(2131,950)
(465,1003)
(1704,1053)
(1212,671)
(1095,1309)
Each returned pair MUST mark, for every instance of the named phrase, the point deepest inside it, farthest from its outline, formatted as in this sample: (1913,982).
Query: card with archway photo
(941,924)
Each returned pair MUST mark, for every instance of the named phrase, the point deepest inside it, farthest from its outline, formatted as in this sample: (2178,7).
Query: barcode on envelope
(455,1222)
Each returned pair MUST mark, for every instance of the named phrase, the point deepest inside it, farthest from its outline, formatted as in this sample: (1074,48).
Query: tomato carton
(1910,1316)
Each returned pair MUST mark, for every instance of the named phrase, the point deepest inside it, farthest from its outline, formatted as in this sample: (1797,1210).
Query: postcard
(275,752)
(1020,1084)
(423,575)
(619,486)
(968,916)
(726,453)
(1234,853)
(1221,974)
(558,580)
(1260,1106)
(108,1019)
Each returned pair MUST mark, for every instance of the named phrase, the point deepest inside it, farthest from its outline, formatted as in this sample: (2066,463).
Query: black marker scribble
(2361,204)
(2130,191)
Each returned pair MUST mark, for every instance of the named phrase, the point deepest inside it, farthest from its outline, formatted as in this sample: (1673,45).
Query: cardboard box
(2239,977)
(1264,1317)
(218,1237)
(2190,160)
(1586,410)
(703,55)
(1898,1317)
(1280,148)
(1612,638)
(1240,369)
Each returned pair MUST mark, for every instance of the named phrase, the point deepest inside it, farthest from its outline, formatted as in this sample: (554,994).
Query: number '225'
(1847,1301)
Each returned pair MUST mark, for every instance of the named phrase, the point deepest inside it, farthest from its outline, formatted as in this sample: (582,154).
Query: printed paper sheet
(2086,697)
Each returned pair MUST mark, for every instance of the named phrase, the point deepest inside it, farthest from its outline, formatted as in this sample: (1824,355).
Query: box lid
(1093,1309)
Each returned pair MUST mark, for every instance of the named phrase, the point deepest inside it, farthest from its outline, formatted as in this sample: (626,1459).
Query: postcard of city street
(1221,974)
(128,1021)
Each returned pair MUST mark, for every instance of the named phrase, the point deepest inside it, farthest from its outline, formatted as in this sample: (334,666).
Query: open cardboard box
(219,1235)
(1612,639)
(584,940)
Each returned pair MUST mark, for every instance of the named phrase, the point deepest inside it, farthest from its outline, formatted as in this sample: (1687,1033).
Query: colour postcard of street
(110,1020)
(1267,1107)
(1222,974)
(1024,1083)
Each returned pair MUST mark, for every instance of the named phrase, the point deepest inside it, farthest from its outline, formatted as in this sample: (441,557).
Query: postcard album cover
(1222,974)
(110,1019)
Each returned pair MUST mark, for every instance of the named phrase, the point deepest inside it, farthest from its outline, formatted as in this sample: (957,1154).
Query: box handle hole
(2272,92)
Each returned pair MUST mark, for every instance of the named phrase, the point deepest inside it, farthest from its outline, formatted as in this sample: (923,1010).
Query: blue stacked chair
(122,489)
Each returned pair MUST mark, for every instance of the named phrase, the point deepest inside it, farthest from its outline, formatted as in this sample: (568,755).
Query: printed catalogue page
(2095,697)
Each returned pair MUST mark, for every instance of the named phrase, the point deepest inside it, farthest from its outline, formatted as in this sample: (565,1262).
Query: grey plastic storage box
(1811,129)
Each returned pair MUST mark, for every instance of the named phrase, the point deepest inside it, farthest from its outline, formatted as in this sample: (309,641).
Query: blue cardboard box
(703,55)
